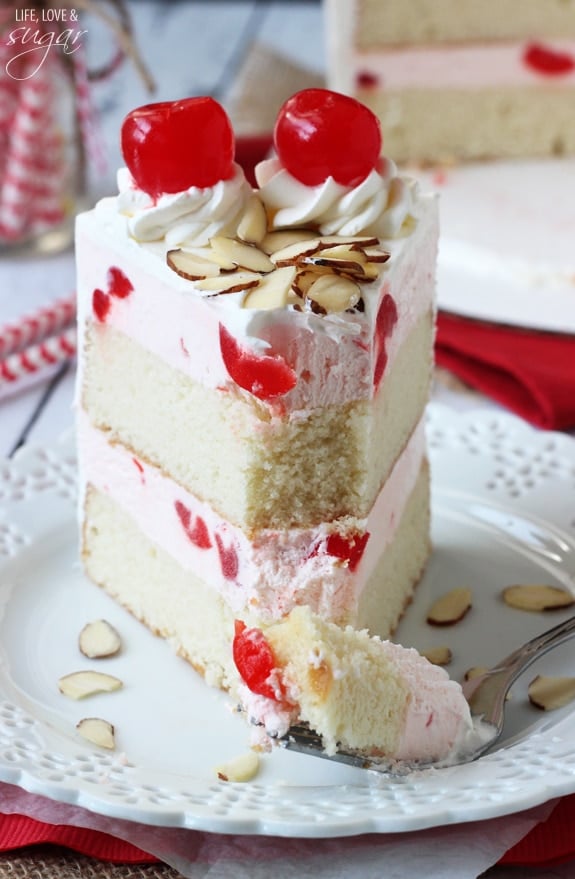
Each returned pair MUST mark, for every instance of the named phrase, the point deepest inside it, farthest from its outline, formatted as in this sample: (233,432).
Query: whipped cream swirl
(190,217)
(378,206)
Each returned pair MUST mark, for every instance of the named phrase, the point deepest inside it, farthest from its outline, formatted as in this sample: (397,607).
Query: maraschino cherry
(254,659)
(172,145)
(320,134)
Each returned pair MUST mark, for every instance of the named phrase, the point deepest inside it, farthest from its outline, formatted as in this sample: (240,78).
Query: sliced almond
(99,639)
(440,655)
(232,283)
(371,271)
(549,693)
(245,256)
(450,608)
(294,253)
(225,265)
(97,731)
(276,241)
(303,281)
(330,264)
(537,597)
(254,223)
(357,242)
(341,251)
(376,254)
(334,294)
(191,266)
(80,684)
(272,291)
(242,768)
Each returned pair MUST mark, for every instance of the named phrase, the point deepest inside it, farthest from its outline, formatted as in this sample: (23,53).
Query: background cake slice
(458,79)
(251,408)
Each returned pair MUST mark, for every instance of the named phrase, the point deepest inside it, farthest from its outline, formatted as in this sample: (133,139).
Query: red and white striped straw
(37,361)
(33,328)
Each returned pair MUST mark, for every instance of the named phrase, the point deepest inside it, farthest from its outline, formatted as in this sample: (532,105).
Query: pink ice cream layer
(492,65)
(276,570)
(331,356)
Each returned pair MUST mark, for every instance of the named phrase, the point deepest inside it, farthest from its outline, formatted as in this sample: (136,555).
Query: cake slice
(357,692)
(458,79)
(253,373)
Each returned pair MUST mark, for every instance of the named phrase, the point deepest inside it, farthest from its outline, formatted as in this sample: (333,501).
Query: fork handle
(486,694)
(538,646)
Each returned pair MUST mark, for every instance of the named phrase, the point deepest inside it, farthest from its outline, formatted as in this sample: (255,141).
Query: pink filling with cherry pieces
(118,286)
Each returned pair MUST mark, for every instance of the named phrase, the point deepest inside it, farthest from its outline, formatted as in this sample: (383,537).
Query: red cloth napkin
(532,373)
(550,843)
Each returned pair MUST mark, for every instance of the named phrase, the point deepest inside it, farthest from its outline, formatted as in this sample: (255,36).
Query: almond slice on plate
(242,768)
(549,693)
(440,655)
(99,639)
(97,731)
(537,597)
(334,294)
(254,222)
(450,608)
(245,256)
(191,266)
(232,283)
(80,684)
(272,291)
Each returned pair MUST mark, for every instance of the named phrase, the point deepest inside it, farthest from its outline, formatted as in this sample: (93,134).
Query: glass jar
(42,156)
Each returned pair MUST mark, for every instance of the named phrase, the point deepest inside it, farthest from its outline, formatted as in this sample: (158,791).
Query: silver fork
(485,694)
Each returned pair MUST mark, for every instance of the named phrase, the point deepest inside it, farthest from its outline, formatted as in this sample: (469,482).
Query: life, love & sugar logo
(37,32)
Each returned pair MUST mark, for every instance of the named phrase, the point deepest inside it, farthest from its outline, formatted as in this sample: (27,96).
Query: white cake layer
(182,607)
(255,471)
(326,567)
(431,125)
(372,23)
(332,357)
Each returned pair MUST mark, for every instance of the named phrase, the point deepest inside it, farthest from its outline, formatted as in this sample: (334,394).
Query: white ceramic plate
(504,512)
(506,250)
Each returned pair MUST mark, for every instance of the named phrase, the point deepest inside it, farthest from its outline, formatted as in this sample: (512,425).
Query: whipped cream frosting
(379,205)
(184,218)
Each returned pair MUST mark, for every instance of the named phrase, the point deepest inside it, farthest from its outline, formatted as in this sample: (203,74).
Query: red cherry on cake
(384,324)
(254,659)
(173,145)
(348,549)
(320,134)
